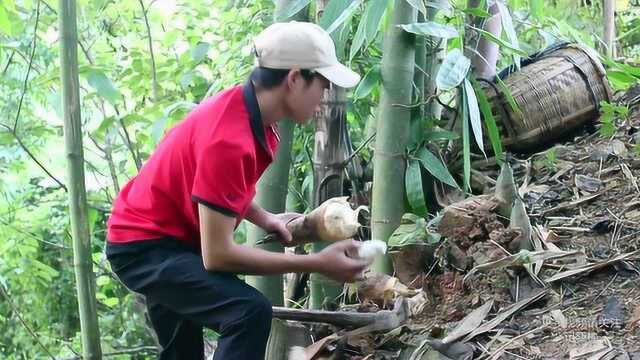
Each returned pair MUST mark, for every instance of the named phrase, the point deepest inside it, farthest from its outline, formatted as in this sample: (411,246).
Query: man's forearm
(242,259)
(257,215)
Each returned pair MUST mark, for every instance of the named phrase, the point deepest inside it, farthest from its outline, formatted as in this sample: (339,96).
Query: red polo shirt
(214,157)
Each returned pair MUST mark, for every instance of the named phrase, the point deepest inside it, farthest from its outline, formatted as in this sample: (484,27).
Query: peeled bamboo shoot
(333,220)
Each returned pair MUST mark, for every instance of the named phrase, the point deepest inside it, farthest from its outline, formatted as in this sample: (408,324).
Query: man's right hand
(335,263)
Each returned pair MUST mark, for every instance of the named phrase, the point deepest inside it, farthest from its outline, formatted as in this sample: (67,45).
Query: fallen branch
(381,320)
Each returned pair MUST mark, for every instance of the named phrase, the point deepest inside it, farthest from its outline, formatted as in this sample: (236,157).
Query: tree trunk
(485,57)
(393,128)
(418,113)
(328,155)
(434,56)
(271,194)
(609,38)
(77,194)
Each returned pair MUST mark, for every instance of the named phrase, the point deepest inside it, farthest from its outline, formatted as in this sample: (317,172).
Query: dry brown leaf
(559,317)
(597,347)
(590,267)
(469,323)
(587,183)
(312,351)
(506,314)
(634,321)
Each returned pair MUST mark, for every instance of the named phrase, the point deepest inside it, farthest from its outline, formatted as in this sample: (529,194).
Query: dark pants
(182,298)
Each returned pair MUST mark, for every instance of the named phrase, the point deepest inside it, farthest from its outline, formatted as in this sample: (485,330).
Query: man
(170,234)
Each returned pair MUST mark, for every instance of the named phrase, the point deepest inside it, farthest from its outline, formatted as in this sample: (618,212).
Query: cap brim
(340,75)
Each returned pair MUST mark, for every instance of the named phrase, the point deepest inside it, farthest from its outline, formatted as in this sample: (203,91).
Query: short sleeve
(221,180)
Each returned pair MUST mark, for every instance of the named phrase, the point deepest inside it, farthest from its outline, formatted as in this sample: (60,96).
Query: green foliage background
(199,48)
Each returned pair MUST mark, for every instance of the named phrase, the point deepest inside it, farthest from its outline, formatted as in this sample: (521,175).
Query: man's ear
(293,77)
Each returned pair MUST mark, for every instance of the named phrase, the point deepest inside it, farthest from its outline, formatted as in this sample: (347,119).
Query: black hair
(268,78)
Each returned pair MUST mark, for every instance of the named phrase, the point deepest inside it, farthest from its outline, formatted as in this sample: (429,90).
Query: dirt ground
(582,196)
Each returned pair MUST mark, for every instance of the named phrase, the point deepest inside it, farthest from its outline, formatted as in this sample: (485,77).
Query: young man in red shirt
(170,234)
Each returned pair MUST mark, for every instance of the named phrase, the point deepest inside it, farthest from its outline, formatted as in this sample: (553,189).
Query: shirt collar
(255,118)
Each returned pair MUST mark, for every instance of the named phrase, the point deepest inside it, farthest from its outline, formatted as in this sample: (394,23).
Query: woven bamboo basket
(556,91)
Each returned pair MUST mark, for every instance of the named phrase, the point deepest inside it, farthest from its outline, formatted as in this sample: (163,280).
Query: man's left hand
(278,224)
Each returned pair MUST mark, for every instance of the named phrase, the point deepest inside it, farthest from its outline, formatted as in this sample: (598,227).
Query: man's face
(304,97)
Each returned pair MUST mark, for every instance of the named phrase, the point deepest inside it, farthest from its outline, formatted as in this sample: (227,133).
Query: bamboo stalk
(83,266)
(392,128)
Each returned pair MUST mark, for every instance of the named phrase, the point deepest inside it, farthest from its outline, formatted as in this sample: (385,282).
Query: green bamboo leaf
(489,120)
(536,7)
(9,5)
(413,186)
(474,114)
(340,36)
(453,70)
(431,28)
(413,230)
(515,4)
(476,12)
(291,9)
(368,82)
(336,13)
(102,280)
(368,26)
(5,24)
(620,80)
(629,69)
(101,83)
(440,135)
(507,25)
(435,167)
(466,144)
(509,96)
(43,270)
(498,41)
(111,302)
(92,217)
(418,5)
(199,51)
(440,5)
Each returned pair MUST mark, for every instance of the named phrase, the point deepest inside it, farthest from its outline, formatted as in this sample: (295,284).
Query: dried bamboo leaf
(506,314)
(572,204)
(469,323)
(559,317)
(592,348)
(499,352)
(590,267)
(525,257)
(313,350)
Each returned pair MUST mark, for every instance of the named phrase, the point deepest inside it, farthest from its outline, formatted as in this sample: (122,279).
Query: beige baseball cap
(302,45)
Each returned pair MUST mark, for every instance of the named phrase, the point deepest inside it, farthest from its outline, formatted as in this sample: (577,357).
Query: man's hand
(336,264)
(278,224)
